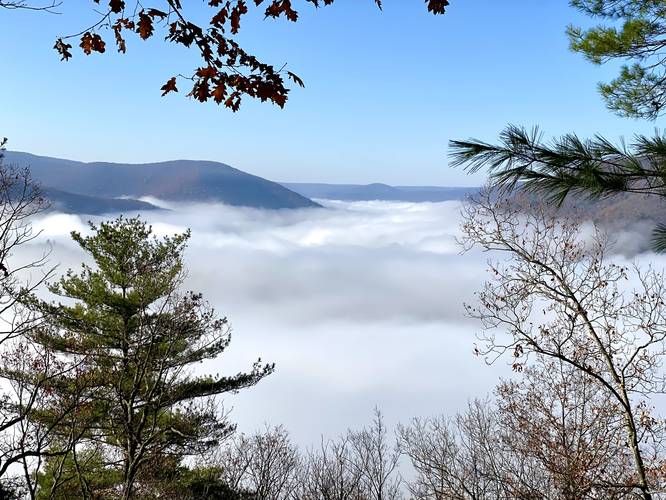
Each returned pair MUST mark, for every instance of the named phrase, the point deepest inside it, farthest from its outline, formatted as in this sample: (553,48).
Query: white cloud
(358,304)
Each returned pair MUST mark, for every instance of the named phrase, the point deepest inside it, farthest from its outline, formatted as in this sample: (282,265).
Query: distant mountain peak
(174,180)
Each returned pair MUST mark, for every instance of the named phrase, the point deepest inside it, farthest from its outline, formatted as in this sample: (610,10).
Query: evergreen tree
(634,32)
(135,338)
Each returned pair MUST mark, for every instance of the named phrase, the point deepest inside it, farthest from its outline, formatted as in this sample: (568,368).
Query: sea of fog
(359,305)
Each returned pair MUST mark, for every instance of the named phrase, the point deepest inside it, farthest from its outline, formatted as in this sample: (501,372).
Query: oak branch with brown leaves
(227,72)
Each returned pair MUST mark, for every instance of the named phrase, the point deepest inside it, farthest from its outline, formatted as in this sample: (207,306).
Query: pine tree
(135,338)
(631,31)
(634,33)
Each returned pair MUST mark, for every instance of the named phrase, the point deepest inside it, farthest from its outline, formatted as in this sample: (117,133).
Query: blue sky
(385,91)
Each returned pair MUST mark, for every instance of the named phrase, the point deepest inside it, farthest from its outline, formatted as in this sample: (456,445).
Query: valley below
(355,292)
(359,304)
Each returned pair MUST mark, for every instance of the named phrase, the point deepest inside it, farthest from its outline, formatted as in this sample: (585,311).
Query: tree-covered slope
(178,180)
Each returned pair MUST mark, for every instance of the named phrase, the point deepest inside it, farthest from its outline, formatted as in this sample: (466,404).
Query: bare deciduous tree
(26,369)
(466,458)
(557,419)
(361,465)
(376,461)
(444,468)
(264,465)
(29,441)
(551,434)
(329,474)
(558,296)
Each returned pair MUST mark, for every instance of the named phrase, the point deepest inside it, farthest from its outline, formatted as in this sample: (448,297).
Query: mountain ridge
(174,180)
(73,203)
(379,191)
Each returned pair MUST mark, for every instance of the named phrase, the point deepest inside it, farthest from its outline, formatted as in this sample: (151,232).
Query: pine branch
(593,168)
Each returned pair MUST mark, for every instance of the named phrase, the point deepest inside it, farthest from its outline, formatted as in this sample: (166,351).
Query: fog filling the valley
(358,304)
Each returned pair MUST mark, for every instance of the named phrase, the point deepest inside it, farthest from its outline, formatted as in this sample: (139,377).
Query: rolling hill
(377,191)
(179,180)
(72,203)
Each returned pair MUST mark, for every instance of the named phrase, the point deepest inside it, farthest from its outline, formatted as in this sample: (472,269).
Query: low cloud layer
(358,304)
(359,262)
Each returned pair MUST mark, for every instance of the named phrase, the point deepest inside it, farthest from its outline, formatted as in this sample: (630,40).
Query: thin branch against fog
(26,368)
(559,297)
(376,460)
(327,472)
(265,464)
(362,464)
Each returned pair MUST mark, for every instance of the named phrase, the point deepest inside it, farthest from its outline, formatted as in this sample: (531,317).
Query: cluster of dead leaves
(227,72)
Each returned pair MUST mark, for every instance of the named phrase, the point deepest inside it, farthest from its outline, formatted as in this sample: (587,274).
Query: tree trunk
(128,484)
